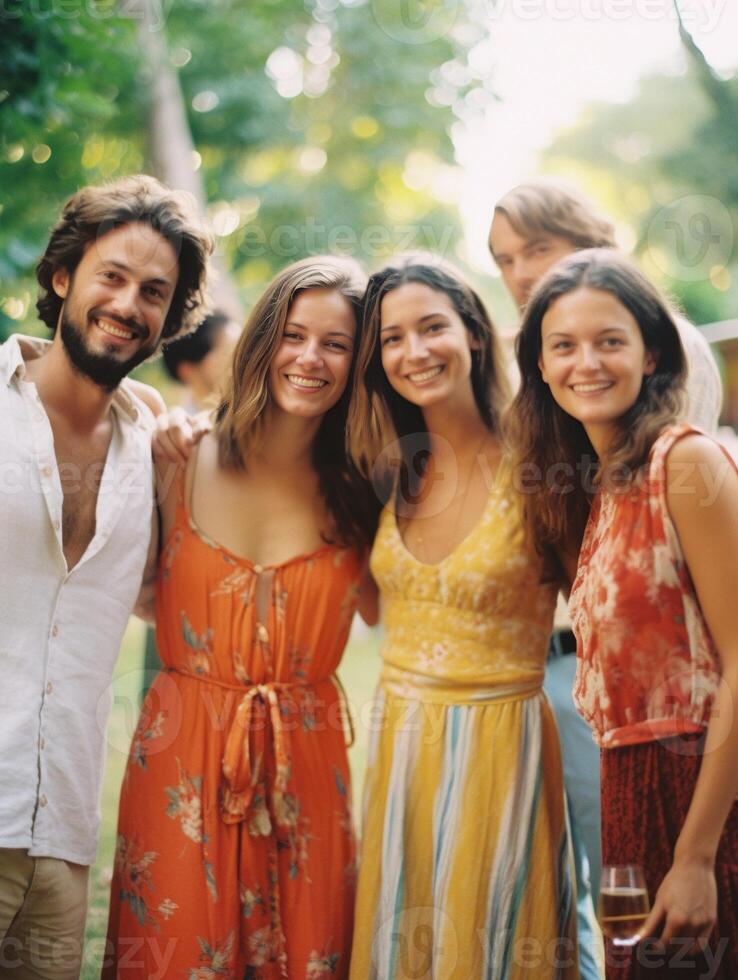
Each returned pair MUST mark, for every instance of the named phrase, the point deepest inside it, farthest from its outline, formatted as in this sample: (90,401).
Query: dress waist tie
(262,707)
(274,706)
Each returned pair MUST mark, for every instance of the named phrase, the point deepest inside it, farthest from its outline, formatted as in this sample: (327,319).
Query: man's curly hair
(94,211)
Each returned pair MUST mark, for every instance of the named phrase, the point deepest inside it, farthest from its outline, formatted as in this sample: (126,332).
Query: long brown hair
(93,211)
(555,463)
(239,427)
(379,415)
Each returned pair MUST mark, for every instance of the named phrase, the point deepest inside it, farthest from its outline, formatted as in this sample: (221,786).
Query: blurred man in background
(200,359)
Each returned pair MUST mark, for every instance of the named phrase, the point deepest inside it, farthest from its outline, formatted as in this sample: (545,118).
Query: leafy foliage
(68,91)
(639,159)
(321,166)
(315,129)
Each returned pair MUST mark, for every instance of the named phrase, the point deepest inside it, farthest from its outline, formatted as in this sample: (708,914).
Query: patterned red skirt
(646,791)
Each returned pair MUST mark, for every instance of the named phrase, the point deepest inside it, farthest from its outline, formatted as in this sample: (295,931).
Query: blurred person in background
(200,360)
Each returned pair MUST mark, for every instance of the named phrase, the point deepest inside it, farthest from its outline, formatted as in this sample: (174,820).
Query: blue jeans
(581,759)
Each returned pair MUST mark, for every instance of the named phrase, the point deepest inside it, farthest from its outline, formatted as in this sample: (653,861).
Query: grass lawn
(358,673)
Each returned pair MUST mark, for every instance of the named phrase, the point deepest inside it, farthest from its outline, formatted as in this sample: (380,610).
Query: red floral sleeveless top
(647,667)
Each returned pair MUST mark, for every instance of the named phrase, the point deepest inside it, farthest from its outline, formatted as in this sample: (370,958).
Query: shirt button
(54,630)
(42,801)
(46,471)
(57,525)
(42,743)
(258,569)
(49,687)
(262,634)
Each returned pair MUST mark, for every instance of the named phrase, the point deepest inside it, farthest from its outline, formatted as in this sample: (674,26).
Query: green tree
(315,128)
(63,84)
(669,178)
(316,131)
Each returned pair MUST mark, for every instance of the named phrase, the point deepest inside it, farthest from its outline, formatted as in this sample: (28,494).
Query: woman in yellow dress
(465,868)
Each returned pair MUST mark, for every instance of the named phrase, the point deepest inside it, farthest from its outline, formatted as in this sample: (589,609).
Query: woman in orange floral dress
(653,601)
(235,853)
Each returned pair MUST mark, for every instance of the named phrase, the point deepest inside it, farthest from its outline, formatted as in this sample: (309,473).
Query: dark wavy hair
(195,346)
(543,438)
(378,414)
(239,426)
(93,211)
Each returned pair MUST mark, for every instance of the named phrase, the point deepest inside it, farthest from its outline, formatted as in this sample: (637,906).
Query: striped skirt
(646,791)
(465,866)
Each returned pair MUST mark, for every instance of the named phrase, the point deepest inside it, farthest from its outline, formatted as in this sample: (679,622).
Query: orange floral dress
(235,852)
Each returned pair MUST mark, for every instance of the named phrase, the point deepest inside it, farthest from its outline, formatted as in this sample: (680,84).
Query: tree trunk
(170,146)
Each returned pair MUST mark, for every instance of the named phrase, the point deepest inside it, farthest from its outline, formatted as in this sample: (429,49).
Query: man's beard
(105,370)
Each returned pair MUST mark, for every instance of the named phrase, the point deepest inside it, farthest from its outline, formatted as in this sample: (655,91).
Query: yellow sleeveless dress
(465,869)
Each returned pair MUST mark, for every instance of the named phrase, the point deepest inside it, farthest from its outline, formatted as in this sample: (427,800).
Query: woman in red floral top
(604,461)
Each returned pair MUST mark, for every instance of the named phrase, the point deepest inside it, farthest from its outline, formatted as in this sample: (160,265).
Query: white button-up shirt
(60,629)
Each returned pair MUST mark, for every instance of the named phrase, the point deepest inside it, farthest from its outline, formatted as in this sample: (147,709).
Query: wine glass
(624,903)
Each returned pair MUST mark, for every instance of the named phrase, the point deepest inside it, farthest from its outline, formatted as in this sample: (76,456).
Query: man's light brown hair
(551,207)
(93,211)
